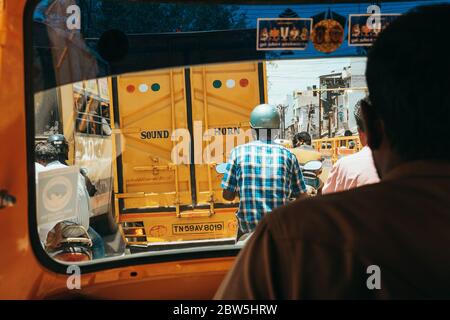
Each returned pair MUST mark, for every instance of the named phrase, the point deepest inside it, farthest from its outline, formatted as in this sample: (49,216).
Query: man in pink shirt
(354,170)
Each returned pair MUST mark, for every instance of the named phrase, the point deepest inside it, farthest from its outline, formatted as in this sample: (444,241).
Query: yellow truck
(126,131)
(159,200)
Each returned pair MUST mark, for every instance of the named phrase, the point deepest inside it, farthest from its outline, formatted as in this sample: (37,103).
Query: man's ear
(362,137)
(373,126)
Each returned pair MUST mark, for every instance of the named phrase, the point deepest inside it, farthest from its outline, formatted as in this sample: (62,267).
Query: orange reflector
(137,232)
(243,82)
(130,88)
(72,257)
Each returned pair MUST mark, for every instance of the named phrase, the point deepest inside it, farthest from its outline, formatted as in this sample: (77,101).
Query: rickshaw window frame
(37,248)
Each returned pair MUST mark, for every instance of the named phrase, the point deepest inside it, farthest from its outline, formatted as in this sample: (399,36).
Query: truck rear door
(150,106)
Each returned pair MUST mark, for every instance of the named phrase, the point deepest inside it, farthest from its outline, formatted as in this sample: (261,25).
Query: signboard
(57,196)
(283,33)
(363,29)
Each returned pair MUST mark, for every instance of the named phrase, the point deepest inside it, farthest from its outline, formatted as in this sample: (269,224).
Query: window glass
(139,109)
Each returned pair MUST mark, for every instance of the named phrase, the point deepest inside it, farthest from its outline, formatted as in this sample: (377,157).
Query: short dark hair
(358,116)
(45,152)
(301,137)
(408,79)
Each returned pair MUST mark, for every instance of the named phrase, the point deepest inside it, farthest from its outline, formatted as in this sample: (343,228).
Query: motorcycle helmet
(60,143)
(265,116)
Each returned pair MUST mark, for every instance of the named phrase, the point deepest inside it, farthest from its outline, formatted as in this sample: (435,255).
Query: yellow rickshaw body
(22,276)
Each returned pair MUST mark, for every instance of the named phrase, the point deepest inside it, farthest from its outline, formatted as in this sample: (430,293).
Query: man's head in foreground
(332,246)
(407,73)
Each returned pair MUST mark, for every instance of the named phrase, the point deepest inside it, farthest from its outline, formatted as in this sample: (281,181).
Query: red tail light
(72,257)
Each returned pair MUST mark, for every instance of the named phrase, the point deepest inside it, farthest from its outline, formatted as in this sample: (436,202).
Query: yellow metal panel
(152,105)
(166,227)
(223,97)
(68,117)
(334,148)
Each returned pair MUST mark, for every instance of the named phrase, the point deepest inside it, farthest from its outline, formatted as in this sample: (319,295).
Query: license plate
(198,228)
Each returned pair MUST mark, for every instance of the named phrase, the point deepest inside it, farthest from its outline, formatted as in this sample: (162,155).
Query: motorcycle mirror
(221,168)
(314,165)
(84,171)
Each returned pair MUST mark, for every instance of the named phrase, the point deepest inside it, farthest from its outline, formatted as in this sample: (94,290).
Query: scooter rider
(303,150)
(59,143)
(265,175)
(310,160)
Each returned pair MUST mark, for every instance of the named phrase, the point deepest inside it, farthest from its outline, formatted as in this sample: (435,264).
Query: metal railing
(337,147)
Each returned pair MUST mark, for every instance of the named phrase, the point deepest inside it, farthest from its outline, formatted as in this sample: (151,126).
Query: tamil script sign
(363,29)
(283,33)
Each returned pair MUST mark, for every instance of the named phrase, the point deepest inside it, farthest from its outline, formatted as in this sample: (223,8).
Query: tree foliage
(146,17)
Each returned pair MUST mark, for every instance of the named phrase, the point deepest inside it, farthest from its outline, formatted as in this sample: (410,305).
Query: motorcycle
(69,242)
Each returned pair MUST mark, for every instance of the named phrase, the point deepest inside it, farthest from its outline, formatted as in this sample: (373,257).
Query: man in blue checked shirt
(264,175)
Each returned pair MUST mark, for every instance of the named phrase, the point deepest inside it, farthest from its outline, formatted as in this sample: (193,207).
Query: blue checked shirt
(265,176)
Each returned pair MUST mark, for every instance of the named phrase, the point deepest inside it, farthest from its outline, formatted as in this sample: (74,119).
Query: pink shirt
(352,171)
